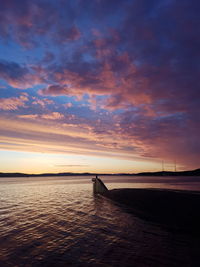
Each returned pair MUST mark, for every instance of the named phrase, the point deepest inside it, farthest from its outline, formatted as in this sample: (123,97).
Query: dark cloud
(12,70)
(18,76)
(67,34)
(48,58)
(29,22)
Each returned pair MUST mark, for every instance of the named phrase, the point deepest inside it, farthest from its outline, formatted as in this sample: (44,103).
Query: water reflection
(58,222)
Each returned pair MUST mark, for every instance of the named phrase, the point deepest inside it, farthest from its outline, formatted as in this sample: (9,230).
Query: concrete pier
(98,186)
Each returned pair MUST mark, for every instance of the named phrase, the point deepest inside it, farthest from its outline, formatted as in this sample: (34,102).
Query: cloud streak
(72,165)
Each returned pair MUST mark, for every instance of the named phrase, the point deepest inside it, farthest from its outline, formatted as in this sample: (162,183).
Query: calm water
(58,222)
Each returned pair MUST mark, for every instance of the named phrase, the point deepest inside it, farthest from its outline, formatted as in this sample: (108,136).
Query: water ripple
(56,223)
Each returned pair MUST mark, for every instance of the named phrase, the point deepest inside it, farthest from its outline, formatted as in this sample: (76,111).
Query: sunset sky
(99,85)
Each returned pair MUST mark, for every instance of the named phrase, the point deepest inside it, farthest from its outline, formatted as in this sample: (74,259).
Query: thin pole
(162,165)
(175,165)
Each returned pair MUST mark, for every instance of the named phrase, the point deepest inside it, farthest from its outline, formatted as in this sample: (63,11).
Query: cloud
(24,22)
(55,90)
(18,76)
(13,103)
(48,58)
(28,116)
(136,60)
(45,137)
(68,105)
(72,165)
(166,137)
(64,35)
(152,70)
(42,102)
(47,116)
(52,116)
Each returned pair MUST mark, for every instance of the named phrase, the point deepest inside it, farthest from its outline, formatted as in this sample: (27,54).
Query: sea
(57,221)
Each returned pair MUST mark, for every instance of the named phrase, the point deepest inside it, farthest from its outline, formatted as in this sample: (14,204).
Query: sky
(104,86)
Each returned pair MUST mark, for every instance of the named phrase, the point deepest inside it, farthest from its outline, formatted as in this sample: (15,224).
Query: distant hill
(168,173)
(165,173)
(18,174)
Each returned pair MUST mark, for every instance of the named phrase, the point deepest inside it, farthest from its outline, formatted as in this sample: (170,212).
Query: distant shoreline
(165,173)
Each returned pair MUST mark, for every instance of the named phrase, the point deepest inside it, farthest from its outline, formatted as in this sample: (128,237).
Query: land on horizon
(195,172)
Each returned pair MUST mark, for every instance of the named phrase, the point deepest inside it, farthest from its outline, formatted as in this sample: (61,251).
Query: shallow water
(56,221)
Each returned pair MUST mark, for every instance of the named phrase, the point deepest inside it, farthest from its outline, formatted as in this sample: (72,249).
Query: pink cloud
(13,103)
(28,116)
(74,83)
(123,87)
(52,116)
(42,102)
(68,105)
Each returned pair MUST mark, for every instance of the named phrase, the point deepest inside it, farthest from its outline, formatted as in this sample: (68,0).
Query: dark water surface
(58,222)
